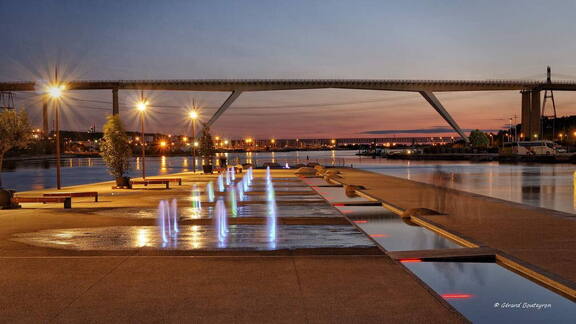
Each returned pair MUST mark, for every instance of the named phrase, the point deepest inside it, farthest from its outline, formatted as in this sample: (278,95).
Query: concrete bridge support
(531,114)
(432,100)
(115,106)
(235,94)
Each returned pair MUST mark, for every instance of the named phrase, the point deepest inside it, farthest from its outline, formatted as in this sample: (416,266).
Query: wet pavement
(196,237)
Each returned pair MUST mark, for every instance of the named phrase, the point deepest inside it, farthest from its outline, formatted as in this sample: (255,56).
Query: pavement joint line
(88,289)
(300,291)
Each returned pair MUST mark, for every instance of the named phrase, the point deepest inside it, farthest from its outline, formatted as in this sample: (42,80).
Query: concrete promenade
(143,285)
(542,240)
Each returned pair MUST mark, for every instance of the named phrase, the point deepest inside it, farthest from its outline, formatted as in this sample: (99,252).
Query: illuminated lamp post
(193,114)
(141,106)
(55,92)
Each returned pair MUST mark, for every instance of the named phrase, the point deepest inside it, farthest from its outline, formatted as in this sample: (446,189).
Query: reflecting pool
(489,293)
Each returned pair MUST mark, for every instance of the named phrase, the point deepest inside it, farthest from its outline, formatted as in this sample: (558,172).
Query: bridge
(531,107)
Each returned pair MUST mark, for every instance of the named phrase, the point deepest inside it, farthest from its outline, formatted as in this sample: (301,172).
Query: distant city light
(193,114)
(163,144)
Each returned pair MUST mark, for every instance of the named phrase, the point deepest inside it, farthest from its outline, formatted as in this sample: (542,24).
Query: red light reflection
(456,296)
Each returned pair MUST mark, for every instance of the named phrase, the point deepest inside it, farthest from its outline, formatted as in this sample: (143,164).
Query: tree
(479,139)
(115,148)
(15,132)
(207,149)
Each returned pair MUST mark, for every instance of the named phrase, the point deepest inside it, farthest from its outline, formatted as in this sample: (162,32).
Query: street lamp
(193,114)
(55,92)
(141,106)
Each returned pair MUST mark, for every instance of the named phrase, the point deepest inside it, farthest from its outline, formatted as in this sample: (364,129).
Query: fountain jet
(233,203)
(240,190)
(210,191)
(220,183)
(168,221)
(220,222)
(227,177)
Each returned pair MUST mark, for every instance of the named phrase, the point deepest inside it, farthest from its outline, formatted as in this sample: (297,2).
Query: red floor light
(338,205)
(360,222)
(379,235)
(410,260)
(346,211)
(456,296)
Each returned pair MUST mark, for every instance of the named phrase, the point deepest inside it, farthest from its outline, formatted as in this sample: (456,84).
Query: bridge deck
(295,84)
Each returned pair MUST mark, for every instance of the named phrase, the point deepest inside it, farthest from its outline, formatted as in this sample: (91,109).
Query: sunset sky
(291,39)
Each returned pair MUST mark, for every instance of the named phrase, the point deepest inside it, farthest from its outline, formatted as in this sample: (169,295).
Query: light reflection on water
(542,185)
(490,287)
(190,237)
(389,231)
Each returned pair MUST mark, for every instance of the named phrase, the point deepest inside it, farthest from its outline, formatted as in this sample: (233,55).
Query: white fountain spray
(287,166)
(268,177)
(233,203)
(227,177)
(210,191)
(220,222)
(162,221)
(168,221)
(174,214)
(233,173)
(250,175)
(240,190)
(220,183)
(245,182)
(271,226)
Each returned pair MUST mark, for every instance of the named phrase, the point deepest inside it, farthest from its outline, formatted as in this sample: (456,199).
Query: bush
(15,132)
(115,147)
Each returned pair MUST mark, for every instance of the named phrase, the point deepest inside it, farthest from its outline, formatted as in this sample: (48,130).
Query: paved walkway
(40,284)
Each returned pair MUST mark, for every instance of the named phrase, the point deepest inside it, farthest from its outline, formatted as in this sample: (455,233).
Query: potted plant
(15,132)
(207,150)
(115,150)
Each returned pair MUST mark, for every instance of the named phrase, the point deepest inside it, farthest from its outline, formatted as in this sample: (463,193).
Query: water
(489,293)
(241,237)
(393,234)
(543,185)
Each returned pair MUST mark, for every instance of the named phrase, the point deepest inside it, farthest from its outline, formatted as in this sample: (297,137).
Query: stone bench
(73,194)
(178,180)
(151,181)
(66,200)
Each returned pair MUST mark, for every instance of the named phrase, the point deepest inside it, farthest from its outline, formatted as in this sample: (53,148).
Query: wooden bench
(73,194)
(179,180)
(66,200)
(151,181)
